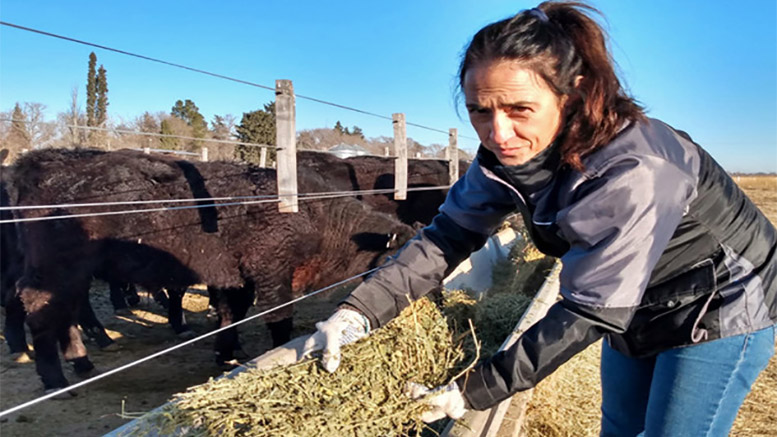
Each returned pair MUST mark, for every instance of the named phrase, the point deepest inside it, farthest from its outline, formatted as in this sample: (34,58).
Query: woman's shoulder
(649,142)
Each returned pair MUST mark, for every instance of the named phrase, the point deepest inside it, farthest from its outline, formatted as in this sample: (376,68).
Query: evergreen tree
(339,127)
(256,127)
(190,113)
(101,111)
(18,137)
(357,131)
(91,91)
(167,142)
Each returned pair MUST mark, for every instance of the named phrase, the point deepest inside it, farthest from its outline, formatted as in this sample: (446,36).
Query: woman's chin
(513,157)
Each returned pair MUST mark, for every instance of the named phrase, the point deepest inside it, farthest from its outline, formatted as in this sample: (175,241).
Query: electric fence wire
(170,349)
(220,76)
(261,199)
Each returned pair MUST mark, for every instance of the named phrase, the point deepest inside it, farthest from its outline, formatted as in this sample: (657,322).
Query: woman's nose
(501,128)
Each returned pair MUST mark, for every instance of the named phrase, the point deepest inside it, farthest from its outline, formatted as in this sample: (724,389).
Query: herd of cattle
(246,253)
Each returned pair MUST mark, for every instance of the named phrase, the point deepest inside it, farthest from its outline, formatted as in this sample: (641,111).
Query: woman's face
(514,112)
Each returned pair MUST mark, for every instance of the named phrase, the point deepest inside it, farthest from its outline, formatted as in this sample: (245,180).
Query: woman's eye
(519,109)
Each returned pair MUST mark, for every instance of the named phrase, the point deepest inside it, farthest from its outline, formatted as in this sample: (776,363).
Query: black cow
(239,250)
(377,173)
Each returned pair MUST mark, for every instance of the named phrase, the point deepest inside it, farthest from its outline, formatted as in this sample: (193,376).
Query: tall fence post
(204,154)
(286,141)
(452,155)
(263,157)
(400,153)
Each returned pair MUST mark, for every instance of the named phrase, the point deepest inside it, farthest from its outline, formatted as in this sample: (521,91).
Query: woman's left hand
(445,400)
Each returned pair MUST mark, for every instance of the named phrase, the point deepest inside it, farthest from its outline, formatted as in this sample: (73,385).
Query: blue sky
(707,67)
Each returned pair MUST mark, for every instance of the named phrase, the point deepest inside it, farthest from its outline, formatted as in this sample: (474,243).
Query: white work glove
(445,400)
(343,327)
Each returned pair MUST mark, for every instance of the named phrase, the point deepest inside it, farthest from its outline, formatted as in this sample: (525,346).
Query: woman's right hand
(343,327)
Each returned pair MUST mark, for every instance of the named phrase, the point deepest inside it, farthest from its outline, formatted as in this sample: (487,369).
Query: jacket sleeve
(618,226)
(472,210)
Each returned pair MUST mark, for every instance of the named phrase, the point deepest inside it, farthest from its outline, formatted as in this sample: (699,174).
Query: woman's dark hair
(560,42)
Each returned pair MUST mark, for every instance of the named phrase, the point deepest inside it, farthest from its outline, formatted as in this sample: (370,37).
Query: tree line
(93,127)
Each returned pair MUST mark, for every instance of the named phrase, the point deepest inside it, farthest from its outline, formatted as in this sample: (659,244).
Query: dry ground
(96,410)
(567,403)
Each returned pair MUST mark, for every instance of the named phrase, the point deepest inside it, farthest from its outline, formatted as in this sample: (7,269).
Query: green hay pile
(364,397)
(493,316)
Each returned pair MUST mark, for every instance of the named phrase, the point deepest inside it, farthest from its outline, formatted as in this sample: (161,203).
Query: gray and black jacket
(659,247)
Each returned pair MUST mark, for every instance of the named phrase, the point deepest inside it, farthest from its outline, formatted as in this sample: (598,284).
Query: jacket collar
(530,178)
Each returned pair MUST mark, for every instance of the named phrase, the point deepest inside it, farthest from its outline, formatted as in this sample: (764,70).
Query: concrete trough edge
(487,423)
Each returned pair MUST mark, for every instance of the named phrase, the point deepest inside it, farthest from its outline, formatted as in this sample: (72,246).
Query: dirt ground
(97,408)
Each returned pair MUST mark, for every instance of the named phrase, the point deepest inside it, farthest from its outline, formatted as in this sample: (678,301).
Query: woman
(662,254)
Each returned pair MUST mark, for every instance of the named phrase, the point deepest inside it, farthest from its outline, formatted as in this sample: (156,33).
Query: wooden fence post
(286,141)
(386,152)
(263,157)
(452,155)
(147,150)
(400,153)
(204,154)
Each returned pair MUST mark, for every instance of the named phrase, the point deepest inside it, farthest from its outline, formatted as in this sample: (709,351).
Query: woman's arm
(474,207)
(617,229)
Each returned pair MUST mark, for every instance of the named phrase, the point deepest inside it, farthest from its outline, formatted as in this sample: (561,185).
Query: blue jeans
(690,391)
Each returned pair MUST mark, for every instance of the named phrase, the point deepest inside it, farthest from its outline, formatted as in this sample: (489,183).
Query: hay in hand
(364,397)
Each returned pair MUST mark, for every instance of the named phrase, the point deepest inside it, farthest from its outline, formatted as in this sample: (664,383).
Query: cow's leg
(14,325)
(280,331)
(131,295)
(233,304)
(74,351)
(279,321)
(45,319)
(175,311)
(91,324)
(160,297)
(213,303)
(117,296)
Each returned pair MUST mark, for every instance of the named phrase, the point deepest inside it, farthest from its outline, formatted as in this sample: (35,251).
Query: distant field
(567,403)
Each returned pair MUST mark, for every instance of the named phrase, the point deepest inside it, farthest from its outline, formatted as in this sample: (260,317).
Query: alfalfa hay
(364,397)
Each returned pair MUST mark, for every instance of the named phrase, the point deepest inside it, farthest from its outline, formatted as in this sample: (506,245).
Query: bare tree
(223,127)
(72,121)
(5,124)
(41,132)
(148,123)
